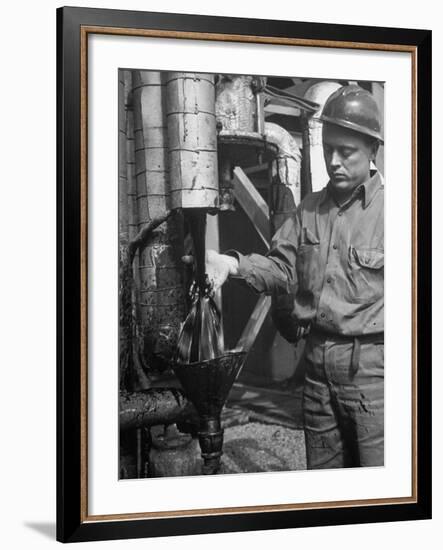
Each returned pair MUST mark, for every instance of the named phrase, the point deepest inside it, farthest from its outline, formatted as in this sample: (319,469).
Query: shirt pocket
(308,261)
(367,274)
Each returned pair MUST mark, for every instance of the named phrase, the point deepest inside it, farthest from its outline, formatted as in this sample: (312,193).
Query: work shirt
(333,256)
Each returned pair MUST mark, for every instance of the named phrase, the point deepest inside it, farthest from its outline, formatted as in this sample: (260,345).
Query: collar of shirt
(368,190)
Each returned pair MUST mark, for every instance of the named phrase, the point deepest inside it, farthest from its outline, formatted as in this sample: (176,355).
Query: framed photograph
(225,254)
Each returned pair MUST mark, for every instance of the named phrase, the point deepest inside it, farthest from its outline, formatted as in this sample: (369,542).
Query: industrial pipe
(192,140)
(319,93)
(285,174)
(160,291)
(152,407)
(285,197)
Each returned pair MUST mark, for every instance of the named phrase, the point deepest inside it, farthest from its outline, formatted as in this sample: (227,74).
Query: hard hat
(354,108)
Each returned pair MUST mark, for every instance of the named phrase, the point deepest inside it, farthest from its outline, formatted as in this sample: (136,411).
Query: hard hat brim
(352,126)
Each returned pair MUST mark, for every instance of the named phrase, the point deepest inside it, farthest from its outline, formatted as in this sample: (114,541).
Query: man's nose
(335,159)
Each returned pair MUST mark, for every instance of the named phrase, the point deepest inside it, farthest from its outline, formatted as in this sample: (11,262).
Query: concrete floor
(263,430)
(258,447)
(249,447)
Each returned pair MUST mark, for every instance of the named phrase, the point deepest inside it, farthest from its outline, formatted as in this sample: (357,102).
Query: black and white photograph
(251,273)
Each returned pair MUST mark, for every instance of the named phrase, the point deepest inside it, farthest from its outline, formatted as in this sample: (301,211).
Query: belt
(357,341)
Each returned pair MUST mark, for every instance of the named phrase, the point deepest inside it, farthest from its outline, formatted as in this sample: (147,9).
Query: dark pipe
(210,438)
(152,407)
(306,180)
(196,218)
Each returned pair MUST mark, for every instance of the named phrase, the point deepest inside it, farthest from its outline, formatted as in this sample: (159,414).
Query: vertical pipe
(161,294)
(196,218)
(259,97)
(226,184)
(236,105)
(138,378)
(190,105)
(130,164)
(284,198)
(285,175)
(144,113)
(133,221)
(379,95)
(125,278)
(122,178)
(306,180)
(315,173)
(139,452)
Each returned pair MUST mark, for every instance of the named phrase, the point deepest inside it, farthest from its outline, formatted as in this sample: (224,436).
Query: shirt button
(328,280)
(334,246)
(322,315)
(340,213)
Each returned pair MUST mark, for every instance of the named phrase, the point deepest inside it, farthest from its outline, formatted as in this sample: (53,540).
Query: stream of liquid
(196,218)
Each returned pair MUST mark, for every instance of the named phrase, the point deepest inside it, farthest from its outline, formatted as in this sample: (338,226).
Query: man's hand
(218,267)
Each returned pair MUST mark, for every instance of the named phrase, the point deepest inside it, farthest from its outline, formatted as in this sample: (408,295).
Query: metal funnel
(207,385)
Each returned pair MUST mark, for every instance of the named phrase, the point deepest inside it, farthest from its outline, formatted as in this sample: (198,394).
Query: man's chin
(341,184)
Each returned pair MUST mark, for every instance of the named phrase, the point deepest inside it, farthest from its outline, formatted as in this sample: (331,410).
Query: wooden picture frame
(74,25)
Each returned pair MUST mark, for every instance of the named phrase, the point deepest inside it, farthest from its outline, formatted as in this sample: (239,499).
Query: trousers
(343,402)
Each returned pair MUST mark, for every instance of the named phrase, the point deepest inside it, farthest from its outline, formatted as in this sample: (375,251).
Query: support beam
(258,212)
(252,203)
(254,324)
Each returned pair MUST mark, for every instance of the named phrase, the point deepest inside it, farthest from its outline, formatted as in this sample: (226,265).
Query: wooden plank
(257,168)
(252,203)
(274,109)
(258,212)
(254,324)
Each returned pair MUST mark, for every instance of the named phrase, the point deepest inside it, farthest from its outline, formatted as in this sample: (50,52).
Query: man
(334,251)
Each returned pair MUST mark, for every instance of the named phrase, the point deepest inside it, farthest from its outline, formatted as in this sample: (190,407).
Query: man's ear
(374,149)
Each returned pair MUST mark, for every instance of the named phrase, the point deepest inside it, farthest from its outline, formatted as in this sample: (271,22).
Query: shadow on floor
(45,529)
